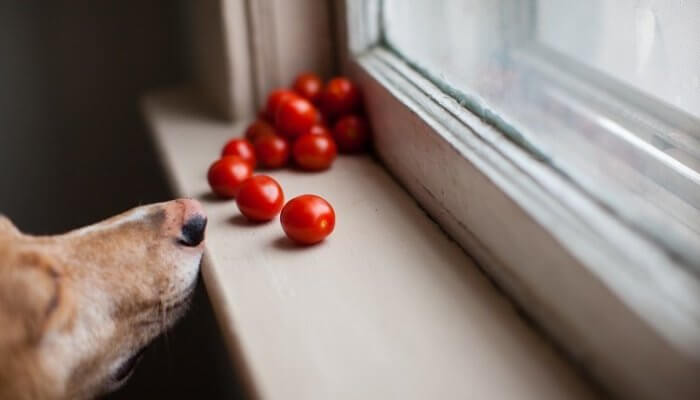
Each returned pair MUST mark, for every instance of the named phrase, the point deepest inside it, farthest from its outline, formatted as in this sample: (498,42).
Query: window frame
(489,194)
(243,49)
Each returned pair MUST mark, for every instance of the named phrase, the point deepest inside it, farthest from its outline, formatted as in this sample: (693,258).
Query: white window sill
(387,307)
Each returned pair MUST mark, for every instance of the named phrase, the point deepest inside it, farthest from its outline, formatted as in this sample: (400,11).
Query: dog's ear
(7,227)
(34,299)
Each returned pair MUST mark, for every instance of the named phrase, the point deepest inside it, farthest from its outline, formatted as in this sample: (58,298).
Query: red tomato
(272,151)
(307,219)
(340,97)
(258,129)
(260,198)
(275,100)
(309,86)
(295,117)
(227,174)
(351,134)
(241,148)
(314,152)
(319,129)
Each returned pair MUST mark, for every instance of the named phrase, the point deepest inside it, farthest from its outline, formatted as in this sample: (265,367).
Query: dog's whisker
(163,310)
(165,330)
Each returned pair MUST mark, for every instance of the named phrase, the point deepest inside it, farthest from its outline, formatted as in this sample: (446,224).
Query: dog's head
(77,309)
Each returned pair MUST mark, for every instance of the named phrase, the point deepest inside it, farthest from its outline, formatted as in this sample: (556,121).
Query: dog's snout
(193,231)
(194,222)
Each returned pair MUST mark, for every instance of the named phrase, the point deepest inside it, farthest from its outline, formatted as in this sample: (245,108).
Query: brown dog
(77,309)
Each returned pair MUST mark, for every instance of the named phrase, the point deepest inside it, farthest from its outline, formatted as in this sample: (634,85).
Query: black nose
(193,231)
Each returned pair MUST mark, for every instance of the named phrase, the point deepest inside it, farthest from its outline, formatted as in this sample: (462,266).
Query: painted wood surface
(217,31)
(288,38)
(243,49)
(615,302)
(387,307)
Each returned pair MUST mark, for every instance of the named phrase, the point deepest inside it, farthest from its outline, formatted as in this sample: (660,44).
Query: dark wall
(73,148)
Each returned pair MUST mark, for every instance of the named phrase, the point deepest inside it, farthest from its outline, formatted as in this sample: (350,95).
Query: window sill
(387,307)
(613,300)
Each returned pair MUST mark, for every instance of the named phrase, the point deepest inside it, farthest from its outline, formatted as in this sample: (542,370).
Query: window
(556,76)
(558,142)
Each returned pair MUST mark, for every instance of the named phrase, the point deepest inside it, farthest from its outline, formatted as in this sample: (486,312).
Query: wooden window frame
(611,297)
(243,49)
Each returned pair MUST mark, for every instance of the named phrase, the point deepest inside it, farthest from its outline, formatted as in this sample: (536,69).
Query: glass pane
(650,45)
(606,92)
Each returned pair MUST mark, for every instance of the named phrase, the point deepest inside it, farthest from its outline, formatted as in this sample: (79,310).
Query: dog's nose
(193,231)
(194,223)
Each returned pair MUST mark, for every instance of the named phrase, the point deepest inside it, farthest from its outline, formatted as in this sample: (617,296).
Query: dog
(77,310)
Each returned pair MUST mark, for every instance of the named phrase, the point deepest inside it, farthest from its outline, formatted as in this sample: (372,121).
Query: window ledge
(387,307)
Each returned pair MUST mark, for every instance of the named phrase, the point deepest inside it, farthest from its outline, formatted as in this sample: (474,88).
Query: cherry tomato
(258,129)
(275,100)
(296,116)
(241,148)
(309,86)
(314,152)
(227,174)
(307,219)
(272,151)
(319,129)
(351,134)
(260,198)
(340,97)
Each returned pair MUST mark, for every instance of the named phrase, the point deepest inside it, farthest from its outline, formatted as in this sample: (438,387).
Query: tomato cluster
(333,112)
(306,126)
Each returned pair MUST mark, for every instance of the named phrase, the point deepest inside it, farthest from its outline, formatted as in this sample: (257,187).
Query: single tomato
(241,148)
(309,86)
(295,117)
(314,152)
(340,97)
(275,100)
(272,151)
(307,219)
(260,198)
(351,134)
(258,129)
(226,175)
